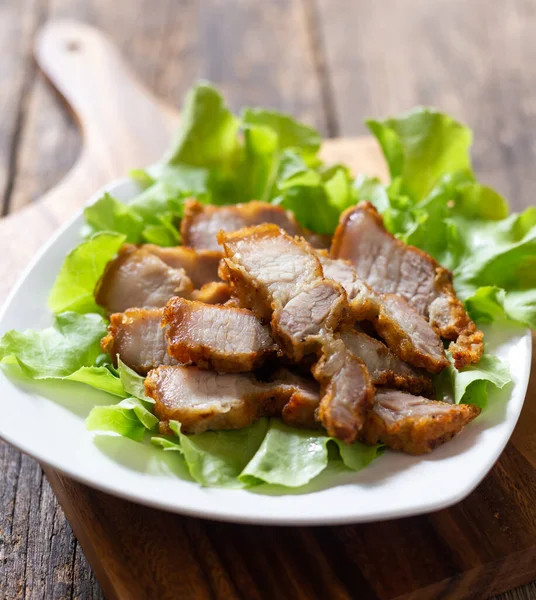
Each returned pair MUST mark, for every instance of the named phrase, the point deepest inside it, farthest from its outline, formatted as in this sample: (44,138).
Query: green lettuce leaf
(58,351)
(133,384)
(67,350)
(287,456)
(216,458)
(74,287)
(422,146)
(208,131)
(108,214)
(292,457)
(470,385)
(288,132)
(130,418)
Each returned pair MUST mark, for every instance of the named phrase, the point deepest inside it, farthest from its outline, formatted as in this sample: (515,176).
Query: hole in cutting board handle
(73,46)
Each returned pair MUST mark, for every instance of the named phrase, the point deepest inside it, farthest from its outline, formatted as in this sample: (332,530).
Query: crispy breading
(201,400)
(138,338)
(201,266)
(407,333)
(384,367)
(226,339)
(390,266)
(281,279)
(215,292)
(414,424)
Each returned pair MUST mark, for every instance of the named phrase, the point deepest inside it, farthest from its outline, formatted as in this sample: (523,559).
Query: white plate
(47,422)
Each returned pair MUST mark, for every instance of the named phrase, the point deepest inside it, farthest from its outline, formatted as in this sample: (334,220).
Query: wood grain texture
(127,544)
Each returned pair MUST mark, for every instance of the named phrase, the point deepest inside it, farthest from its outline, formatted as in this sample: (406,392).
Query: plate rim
(217,513)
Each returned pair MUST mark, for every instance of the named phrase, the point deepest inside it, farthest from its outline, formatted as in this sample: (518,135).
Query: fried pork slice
(138,338)
(390,266)
(384,367)
(201,266)
(138,279)
(347,392)
(215,292)
(281,280)
(201,400)
(414,424)
(202,222)
(228,340)
(407,333)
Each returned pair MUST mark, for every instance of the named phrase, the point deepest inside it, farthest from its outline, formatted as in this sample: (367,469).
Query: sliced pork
(390,266)
(138,338)
(201,400)
(281,279)
(407,333)
(226,339)
(201,222)
(347,392)
(414,424)
(215,292)
(384,367)
(201,266)
(138,279)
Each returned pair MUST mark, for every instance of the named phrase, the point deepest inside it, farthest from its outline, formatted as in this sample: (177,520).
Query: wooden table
(330,62)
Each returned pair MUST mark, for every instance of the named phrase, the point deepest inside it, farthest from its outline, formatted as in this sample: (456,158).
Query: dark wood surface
(331,63)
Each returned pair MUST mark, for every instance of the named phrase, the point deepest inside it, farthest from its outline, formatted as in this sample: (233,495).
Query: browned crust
(192,209)
(189,351)
(215,292)
(419,382)
(300,411)
(109,343)
(198,421)
(196,263)
(468,345)
(467,342)
(418,435)
(396,337)
(247,290)
(249,212)
(342,416)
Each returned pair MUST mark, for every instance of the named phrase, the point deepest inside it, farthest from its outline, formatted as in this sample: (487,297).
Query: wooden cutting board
(482,546)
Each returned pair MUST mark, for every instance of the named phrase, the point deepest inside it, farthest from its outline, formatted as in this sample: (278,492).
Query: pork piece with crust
(215,292)
(414,424)
(407,333)
(138,338)
(138,279)
(201,266)
(384,366)
(226,339)
(201,400)
(201,222)
(390,266)
(346,391)
(281,279)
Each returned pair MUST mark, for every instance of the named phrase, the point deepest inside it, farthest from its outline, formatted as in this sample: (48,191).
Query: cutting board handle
(123,125)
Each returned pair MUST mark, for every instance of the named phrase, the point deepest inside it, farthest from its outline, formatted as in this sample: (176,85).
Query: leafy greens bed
(433,201)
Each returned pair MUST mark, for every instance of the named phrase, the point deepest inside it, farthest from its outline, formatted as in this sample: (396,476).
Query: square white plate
(46,421)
